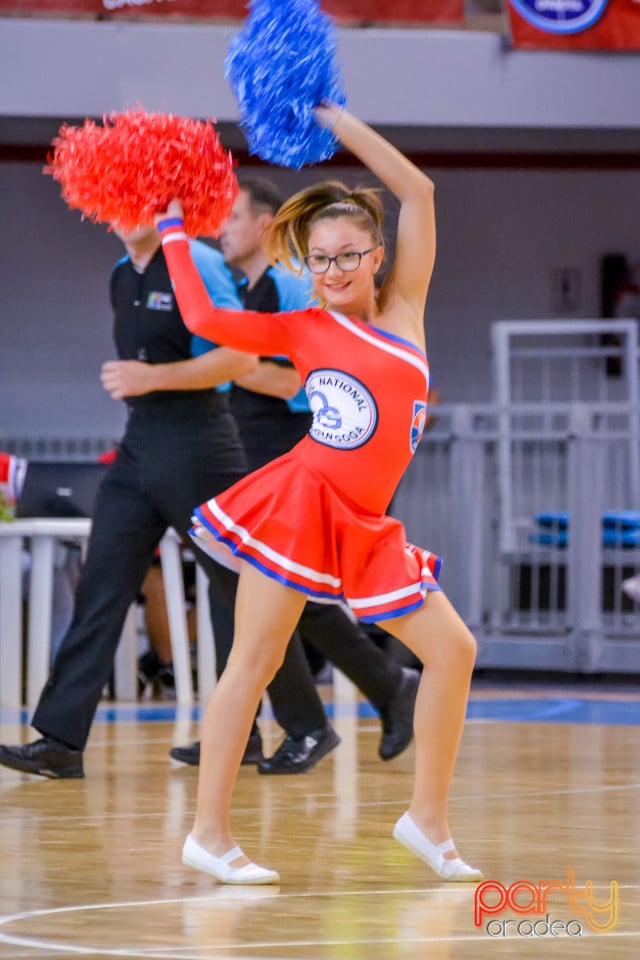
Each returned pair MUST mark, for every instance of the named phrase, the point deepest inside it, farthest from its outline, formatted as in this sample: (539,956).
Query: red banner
(346,11)
(575,24)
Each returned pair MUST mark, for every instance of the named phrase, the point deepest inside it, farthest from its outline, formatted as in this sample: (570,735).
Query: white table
(43,534)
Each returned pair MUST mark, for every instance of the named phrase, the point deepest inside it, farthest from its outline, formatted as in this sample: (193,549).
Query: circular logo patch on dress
(344,412)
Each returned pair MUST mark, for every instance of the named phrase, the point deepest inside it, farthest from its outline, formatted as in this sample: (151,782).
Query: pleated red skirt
(300,529)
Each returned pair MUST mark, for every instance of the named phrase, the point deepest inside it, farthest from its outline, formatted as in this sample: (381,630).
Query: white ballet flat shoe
(193,855)
(456,870)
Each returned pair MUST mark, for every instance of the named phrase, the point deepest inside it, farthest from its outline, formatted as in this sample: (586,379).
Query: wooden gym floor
(547,788)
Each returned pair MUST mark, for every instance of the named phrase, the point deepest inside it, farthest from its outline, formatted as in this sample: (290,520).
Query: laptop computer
(60,489)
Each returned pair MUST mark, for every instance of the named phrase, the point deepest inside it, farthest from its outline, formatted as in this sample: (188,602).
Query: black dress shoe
(45,757)
(397,716)
(148,667)
(191,754)
(156,676)
(296,756)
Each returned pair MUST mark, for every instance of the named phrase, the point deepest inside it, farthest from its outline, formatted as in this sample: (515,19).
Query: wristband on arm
(171,229)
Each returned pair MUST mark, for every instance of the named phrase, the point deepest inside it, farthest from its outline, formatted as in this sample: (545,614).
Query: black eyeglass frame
(329,260)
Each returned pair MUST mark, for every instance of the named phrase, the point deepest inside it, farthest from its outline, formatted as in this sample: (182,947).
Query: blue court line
(501,710)
(543,710)
(557,710)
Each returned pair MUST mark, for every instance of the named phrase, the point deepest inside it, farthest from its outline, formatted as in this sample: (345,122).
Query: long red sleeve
(248,330)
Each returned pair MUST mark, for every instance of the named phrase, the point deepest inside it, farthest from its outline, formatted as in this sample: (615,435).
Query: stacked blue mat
(620,528)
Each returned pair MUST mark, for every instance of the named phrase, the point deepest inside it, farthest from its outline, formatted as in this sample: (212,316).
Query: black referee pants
(174,456)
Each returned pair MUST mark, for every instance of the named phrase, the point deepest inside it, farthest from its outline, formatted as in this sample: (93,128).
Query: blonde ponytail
(286,238)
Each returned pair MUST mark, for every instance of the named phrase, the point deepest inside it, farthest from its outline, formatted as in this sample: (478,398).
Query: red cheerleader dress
(315,519)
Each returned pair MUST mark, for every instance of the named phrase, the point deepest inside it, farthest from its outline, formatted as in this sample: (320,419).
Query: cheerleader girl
(312,523)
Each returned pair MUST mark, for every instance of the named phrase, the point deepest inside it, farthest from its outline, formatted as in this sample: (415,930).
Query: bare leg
(156,617)
(266,615)
(439,638)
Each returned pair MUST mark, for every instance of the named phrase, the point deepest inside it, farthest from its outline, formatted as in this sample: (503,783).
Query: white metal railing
(67,448)
(535,555)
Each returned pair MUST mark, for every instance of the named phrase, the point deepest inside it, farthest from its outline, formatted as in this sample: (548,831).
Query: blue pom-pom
(280,66)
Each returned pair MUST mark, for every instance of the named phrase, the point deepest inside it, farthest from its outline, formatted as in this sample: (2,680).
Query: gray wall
(435,78)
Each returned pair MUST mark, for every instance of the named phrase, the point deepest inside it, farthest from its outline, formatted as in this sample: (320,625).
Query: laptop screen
(60,489)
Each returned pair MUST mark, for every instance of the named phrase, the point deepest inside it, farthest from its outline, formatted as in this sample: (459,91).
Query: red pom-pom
(128,169)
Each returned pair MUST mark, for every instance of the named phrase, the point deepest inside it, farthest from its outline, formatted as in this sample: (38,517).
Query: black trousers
(329,629)
(175,454)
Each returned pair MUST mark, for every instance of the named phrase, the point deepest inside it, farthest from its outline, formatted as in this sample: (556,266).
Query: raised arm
(416,233)
(246,330)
